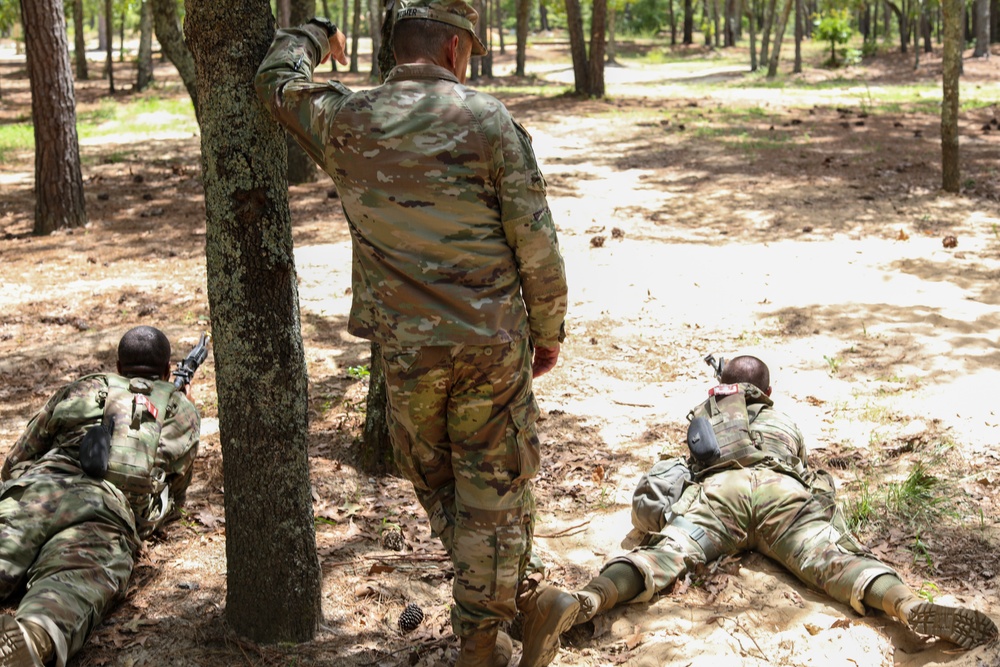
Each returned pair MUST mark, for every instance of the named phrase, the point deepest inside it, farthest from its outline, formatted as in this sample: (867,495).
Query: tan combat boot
(548,612)
(488,649)
(965,627)
(22,646)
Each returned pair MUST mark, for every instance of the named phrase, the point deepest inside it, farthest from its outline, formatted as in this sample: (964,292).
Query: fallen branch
(572,530)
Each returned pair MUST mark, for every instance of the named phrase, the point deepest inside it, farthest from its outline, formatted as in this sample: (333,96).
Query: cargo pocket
(511,544)
(526,446)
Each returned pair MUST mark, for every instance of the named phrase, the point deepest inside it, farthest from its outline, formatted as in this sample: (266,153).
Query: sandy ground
(816,246)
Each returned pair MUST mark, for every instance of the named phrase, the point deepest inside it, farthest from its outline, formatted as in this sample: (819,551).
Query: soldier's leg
(816,545)
(27,509)
(79,574)
(708,521)
(491,423)
(418,383)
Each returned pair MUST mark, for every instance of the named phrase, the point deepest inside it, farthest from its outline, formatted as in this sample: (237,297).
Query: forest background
(869,290)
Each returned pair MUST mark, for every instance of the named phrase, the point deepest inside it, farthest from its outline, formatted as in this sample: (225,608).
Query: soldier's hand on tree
(338,48)
(544,361)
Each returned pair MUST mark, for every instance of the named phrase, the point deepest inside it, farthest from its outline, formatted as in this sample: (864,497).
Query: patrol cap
(453,12)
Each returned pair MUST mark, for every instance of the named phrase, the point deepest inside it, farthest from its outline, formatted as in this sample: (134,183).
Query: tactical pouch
(656,493)
(726,413)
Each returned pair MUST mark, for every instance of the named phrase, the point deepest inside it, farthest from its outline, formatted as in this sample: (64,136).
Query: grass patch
(15,138)
(918,501)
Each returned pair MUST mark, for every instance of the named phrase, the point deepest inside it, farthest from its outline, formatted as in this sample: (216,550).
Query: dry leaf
(902,236)
(597,474)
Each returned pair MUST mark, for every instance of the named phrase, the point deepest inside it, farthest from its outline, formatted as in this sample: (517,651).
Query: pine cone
(410,618)
(393,539)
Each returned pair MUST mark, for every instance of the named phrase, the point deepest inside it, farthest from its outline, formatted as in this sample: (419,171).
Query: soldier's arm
(284,84)
(37,437)
(178,447)
(531,233)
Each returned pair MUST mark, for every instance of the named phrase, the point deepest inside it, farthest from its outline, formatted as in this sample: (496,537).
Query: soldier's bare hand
(544,361)
(338,48)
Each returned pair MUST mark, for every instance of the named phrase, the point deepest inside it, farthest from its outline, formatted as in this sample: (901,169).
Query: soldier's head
(144,352)
(440,32)
(747,369)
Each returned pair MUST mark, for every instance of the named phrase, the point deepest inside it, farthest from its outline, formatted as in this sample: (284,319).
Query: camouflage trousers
(70,542)
(462,423)
(766,511)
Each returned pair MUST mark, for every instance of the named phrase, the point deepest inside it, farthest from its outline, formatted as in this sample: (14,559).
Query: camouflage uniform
(457,274)
(775,507)
(72,538)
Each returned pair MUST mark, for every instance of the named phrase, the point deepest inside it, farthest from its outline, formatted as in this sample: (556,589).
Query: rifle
(187,367)
(716,365)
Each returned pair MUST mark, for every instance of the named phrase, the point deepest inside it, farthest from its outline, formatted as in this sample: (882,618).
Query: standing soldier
(458,276)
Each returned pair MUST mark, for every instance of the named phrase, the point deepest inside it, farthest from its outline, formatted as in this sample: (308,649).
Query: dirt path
(808,235)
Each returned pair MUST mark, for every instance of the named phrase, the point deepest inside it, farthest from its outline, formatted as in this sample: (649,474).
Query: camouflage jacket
(50,443)
(452,235)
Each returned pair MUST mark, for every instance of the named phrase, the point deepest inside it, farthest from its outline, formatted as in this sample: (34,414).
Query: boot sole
(967,628)
(562,611)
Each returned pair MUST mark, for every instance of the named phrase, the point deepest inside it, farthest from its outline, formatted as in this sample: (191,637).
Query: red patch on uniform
(724,390)
(150,408)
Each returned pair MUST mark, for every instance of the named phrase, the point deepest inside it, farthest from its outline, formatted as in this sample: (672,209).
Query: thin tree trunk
(523,16)
(375,32)
(577,47)
(109,64)
(79,41)
(797,66)
(355,36)
(283,10)
(951,59)
(982,29)
(772,67)
(144,65)
(752,20)
(301,168)
(273,575)
(121,39)
(770,8)
(499,26)
(167,27)
(598,23)
(688,23)
(672,17)
(543,17)
(59,201)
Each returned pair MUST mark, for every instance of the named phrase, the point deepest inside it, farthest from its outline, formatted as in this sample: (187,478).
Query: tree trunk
(144,66)
(109,64)
(982,29)
(355,36)
(729,35)
(672,18)
(916,47)
(167,27)
(577,46)
(770,7)
(273,574)
(498,22)
(376,457)
(752,20)
(345,18)
(799,18)
(375,31)
(301,167)
(611,52)
(483,30)
(598,23)
(79,42)
(951,59)
(102,31)
(59,201)
(688,23)
(283,9)
(121,38)
(772,67)
(523,16)
(543,17)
